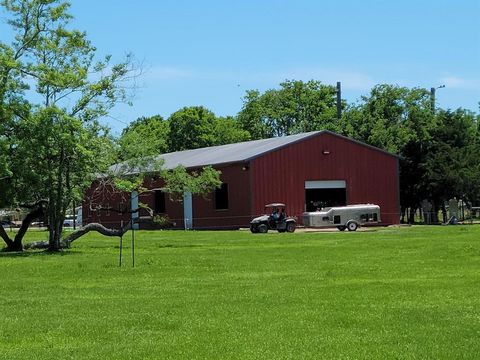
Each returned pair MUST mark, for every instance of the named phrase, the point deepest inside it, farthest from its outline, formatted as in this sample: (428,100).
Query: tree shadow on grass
(30,253)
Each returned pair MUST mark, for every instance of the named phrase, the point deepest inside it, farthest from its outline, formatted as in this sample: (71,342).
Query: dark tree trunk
(17,243)
(411,216)
(55,235)
(435,213)
(6,238)
(444,213)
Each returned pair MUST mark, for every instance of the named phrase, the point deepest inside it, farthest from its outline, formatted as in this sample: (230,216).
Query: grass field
(403,293)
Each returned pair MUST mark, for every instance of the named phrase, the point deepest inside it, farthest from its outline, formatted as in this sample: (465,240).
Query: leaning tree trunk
(11,245)
(65,243)
(17,243)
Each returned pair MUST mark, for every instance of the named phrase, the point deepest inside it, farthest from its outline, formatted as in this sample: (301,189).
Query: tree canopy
(295,107)
(52,93)
(145,136)
(436,149)
(191,128)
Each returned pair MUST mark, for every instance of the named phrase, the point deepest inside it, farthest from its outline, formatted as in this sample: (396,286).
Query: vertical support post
(339,99)
(432,99)
(187,210)
(133,221)
(121,247)
(133,243)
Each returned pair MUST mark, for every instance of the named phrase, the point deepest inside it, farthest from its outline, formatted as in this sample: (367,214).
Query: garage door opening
(321,194)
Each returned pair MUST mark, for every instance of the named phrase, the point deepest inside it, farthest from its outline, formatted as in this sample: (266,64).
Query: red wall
(204,213)
(371,176)
(239,195)
(105,196)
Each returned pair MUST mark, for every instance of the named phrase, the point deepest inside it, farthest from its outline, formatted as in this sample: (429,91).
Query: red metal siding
(173,207)
(204,213)
(106,197)
(238,212)
(371,176)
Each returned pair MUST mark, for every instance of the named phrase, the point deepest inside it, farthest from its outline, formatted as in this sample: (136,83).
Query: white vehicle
(343,217)
(76,219)
(68,222)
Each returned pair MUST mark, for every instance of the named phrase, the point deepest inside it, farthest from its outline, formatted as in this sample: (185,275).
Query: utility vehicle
(275,218)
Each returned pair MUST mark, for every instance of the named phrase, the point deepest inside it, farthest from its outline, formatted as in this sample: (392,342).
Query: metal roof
(233,153)
(230,153)
(224,154)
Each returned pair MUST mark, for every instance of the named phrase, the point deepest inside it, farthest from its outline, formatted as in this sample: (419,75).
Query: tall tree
(144,137)
(55,146)
(399,120)
(191,128)
(52,92)
(296,107)
(452,158)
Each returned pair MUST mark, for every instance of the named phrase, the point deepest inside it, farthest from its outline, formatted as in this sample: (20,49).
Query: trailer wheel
(352,225)
(262,229)
(341,228)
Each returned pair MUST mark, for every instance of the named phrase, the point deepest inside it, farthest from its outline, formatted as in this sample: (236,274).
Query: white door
(187,211)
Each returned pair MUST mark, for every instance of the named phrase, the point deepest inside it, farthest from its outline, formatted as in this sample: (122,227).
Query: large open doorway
(325,193)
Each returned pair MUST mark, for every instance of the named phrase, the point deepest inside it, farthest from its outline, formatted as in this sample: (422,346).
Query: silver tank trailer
(343,217)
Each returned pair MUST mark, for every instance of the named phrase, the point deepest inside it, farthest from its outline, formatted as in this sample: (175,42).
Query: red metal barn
(306,171)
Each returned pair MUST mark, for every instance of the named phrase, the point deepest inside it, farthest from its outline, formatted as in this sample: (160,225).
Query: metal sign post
(133,244)
(121,246)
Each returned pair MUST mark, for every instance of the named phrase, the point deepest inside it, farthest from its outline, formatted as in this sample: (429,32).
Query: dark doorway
(316,199)
(221,197)
(159,202)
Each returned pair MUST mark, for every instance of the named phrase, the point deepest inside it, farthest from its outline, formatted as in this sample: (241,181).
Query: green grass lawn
(404,293)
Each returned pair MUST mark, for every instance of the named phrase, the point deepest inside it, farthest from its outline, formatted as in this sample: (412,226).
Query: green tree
(191,128)
(228,130)
(399,120)
(55,144)
(296,107)
(452,158)
(144,137)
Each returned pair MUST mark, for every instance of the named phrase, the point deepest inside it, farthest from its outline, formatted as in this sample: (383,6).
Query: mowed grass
(402,293)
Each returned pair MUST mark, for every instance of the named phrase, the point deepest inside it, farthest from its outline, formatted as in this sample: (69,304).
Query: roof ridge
(243,142)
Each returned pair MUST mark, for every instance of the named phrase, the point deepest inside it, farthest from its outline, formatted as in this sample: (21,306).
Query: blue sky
(210,52)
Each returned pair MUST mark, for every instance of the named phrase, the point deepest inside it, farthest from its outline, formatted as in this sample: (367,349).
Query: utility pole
(432,99)
(433,90)
(339,99)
